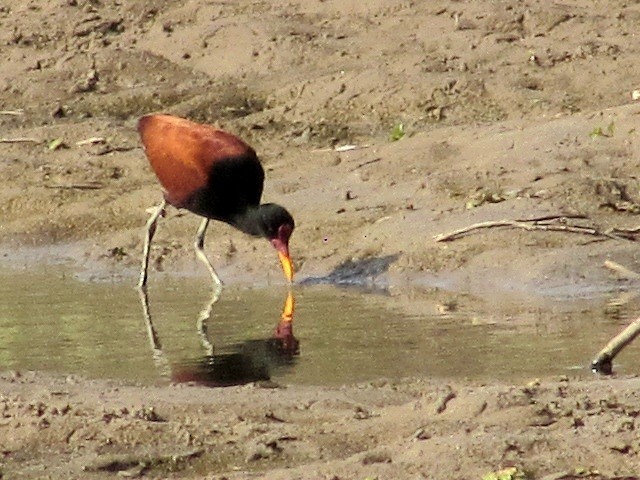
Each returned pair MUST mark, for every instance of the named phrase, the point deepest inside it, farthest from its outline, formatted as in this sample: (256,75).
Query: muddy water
(51,321)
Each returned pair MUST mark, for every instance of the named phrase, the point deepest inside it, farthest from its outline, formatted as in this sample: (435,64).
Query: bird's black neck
(249,221)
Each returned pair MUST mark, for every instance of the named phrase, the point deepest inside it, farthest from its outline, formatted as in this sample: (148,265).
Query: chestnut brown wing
(184,156)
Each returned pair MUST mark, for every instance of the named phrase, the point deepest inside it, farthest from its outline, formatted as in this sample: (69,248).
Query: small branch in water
(603,362)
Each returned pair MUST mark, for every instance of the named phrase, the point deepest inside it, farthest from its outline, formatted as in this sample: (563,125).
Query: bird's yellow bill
(287,266)
(289,306)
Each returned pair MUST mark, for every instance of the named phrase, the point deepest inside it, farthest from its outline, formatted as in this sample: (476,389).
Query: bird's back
(204,169)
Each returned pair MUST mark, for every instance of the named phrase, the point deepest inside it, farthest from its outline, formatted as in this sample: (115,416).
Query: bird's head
(278,225)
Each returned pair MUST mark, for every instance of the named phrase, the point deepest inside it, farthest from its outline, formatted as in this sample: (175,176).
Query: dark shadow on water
(365,273)
(250,361)
(236,364)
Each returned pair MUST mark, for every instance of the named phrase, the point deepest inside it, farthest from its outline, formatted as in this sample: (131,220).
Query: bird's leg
(205,314)
(199,246)
(203,318)
(151,230)
(159,358)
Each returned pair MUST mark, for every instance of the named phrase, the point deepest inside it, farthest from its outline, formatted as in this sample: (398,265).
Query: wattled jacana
(213,174)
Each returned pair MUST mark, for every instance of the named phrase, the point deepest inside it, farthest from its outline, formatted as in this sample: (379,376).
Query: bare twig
(77,186)
(14,113)
(627,230)
(90,141)
(562,218)
(628,233)
(441,403)
(340,148)
(110,149)
(445,237)
(375,160)
(19,140)
(348,148)
(602,363)
(530,225)
(621,269)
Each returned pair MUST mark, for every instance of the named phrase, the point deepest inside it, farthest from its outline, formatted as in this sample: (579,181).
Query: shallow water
(50,321)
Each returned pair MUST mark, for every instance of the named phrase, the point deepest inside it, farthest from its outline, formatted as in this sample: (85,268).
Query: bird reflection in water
(236,364)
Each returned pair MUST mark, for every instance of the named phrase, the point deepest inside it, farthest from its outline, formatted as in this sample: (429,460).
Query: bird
(215,175)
